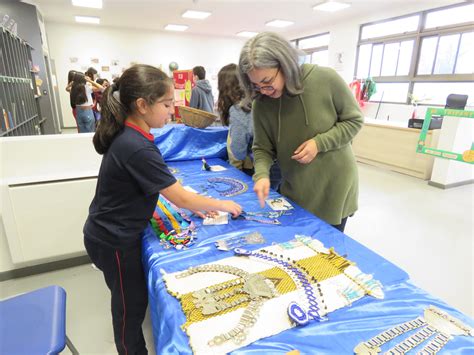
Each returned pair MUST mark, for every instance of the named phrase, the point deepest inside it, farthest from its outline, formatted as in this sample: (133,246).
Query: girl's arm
(191,201)
(95,87)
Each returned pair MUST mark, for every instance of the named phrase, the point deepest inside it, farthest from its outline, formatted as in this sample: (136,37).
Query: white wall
(141,46)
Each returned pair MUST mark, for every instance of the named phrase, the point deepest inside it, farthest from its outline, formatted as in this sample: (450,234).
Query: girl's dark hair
(101,81)
(119,100)
(91,72)
(78,95)
(70,75)
(230,91)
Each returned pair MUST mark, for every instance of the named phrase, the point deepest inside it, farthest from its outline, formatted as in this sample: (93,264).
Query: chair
(453,101)
(34,323)
(456,101)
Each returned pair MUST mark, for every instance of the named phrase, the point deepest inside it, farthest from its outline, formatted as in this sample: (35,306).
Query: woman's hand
(230,206)
(262,188)
(306,152)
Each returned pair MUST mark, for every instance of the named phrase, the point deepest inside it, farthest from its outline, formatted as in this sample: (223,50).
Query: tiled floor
(426,231)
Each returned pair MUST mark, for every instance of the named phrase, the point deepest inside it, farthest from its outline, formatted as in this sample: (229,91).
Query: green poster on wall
(466,157)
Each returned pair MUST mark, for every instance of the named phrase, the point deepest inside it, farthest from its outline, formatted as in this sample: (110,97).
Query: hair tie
(116,95)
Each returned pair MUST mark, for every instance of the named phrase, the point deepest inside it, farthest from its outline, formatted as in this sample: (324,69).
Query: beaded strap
(238,333)
(412,342)
(300,278)
(265,218)
(372,346)
(435,345)
(364,282)
(235,187)
(213,268)
(305,278)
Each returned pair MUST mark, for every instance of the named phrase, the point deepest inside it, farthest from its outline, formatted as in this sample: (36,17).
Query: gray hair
(270,50)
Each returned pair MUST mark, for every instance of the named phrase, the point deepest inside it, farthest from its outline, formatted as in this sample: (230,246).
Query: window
(451,16)
(391,27)
(314,42)
(419,52)
(391,92)
(316,48)
(385,59)
(436,93)
(449,54)
(320,58)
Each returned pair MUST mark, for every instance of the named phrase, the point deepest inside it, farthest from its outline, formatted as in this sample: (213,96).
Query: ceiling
(228,16)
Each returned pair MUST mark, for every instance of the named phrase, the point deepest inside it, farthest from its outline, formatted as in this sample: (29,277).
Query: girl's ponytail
(112,121)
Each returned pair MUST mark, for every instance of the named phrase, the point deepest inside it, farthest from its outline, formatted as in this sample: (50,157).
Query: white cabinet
(46,219)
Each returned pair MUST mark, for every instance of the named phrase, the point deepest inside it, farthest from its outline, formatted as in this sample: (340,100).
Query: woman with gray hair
(305,116)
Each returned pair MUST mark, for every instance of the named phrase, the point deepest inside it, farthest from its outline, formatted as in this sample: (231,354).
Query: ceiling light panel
(179,28)
(279,23)
(95,4)
(88,19)
(331,6)
(199,15)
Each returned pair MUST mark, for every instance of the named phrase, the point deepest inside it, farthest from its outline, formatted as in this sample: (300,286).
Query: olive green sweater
(327,112)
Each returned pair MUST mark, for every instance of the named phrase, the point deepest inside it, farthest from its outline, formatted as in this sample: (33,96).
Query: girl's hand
(230,206)
(203,215)
(262,188)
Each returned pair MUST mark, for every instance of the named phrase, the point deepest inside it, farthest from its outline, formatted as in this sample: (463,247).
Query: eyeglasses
(267,88)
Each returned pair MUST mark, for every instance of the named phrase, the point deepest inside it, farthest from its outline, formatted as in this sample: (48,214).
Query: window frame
(310,51)
(417,36)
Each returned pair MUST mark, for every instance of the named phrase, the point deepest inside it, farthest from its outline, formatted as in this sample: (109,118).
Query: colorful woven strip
(172,226)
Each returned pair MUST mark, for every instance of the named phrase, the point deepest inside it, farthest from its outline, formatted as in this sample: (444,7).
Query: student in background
(98,97)
(70,80)
(238,116)
(201,95)
(132,176)
(81,99)
(239,140)
(92,74)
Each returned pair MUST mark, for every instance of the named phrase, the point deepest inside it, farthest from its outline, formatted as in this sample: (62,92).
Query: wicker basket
(196,118)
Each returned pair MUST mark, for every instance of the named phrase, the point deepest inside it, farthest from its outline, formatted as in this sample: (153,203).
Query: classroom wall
(141,46)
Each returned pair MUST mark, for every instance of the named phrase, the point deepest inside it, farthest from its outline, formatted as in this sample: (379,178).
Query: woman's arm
(191,201)
(349,117)
(263,149)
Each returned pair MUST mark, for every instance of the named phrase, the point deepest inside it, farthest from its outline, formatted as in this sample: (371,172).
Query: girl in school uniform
(131,177)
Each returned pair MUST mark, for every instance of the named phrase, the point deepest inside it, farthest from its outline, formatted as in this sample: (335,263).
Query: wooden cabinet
(391,146)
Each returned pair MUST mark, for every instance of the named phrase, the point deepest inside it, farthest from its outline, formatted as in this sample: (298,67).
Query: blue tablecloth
(346,327)
(180,142)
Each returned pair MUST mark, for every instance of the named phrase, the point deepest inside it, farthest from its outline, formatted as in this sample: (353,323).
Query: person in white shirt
(81,99)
